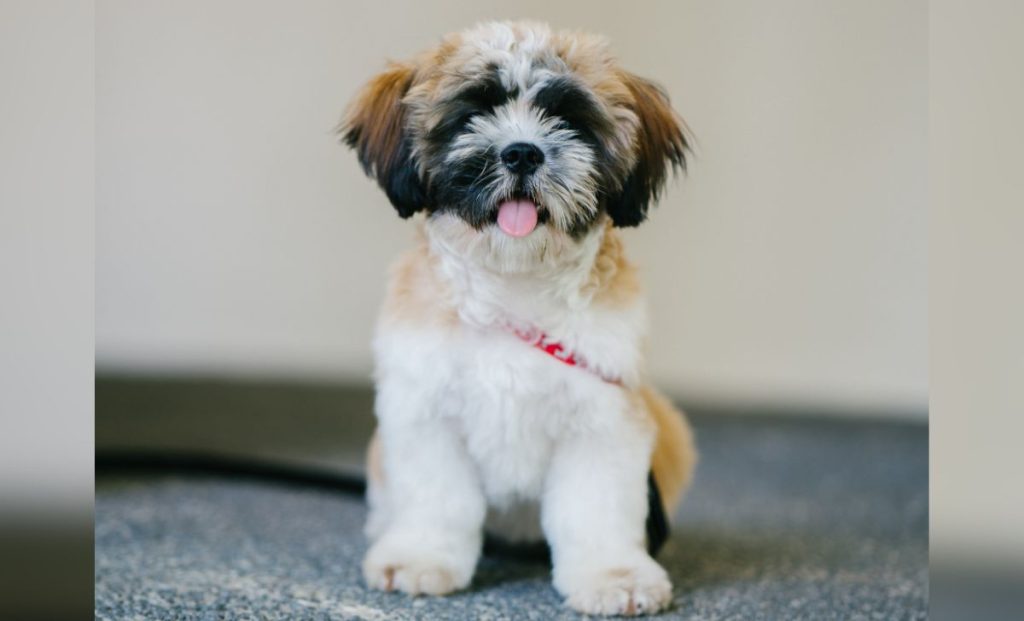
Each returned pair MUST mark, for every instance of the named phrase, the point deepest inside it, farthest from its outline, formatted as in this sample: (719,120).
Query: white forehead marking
(522,59)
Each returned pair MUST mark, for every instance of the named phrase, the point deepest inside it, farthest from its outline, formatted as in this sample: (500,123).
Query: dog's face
(517,136)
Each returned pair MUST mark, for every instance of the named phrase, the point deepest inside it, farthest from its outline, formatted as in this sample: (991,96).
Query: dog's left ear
(375,126)
(660,147)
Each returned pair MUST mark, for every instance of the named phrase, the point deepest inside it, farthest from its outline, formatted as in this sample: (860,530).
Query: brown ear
(375,127)
(660,146)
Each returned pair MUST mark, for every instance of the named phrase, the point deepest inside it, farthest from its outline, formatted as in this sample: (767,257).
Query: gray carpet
(789,518)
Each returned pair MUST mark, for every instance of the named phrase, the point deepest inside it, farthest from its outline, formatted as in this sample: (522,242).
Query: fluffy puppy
(510,382)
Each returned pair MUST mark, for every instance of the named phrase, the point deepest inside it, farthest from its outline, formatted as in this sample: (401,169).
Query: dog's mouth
(518,216)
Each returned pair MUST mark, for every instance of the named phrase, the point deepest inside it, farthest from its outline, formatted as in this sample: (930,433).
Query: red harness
(558,351)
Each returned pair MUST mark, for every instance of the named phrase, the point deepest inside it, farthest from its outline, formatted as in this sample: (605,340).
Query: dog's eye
(455,123)
(571,106)
(487,95)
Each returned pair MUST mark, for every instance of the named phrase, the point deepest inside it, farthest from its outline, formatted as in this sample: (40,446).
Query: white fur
(476,425)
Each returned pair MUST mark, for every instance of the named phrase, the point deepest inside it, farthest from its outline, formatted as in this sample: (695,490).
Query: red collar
(558,351)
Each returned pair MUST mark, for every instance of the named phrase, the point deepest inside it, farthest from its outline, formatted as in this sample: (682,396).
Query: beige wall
(234,235)
(977,301)
(46,270)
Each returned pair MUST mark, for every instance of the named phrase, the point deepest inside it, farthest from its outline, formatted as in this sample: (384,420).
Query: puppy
(510,382)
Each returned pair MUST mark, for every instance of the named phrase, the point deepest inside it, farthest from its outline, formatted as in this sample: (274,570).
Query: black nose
(522,157)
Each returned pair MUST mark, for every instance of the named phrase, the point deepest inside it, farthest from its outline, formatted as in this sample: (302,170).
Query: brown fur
(376,120)
(416,293)
(613,277)
(675,455)
(660,142)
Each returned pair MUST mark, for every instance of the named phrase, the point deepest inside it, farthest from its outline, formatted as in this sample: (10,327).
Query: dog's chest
(513,403)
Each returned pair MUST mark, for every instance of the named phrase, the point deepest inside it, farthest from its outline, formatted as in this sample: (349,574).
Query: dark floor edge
(108,382)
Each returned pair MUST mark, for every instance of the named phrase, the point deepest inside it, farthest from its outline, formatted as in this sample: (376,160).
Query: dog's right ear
(375,126)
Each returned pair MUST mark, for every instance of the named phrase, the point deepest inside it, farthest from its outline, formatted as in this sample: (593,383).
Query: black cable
(192,463)
(187,462)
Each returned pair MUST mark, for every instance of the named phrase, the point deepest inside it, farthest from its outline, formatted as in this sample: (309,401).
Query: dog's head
(516,138)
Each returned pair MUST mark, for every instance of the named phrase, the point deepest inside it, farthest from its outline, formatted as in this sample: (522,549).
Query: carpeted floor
(789,518)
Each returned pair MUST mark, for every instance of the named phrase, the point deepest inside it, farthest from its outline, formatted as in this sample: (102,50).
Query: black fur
(376,130)
(402,183)
(628,207)
(481,97)
(575,107)
(489,93)
(661,150)
(562,98)
(459,189)
(396,175)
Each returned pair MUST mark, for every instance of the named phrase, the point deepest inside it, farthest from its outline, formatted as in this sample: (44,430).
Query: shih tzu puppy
(511,395)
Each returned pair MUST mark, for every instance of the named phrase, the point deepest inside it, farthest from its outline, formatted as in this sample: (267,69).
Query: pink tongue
(517,218)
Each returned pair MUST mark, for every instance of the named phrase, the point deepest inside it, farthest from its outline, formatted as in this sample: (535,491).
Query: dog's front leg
(594,510)
(432,538)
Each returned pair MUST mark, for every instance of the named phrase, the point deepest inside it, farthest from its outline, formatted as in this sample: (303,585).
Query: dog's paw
(633,589)
(416,569)
(414,578)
